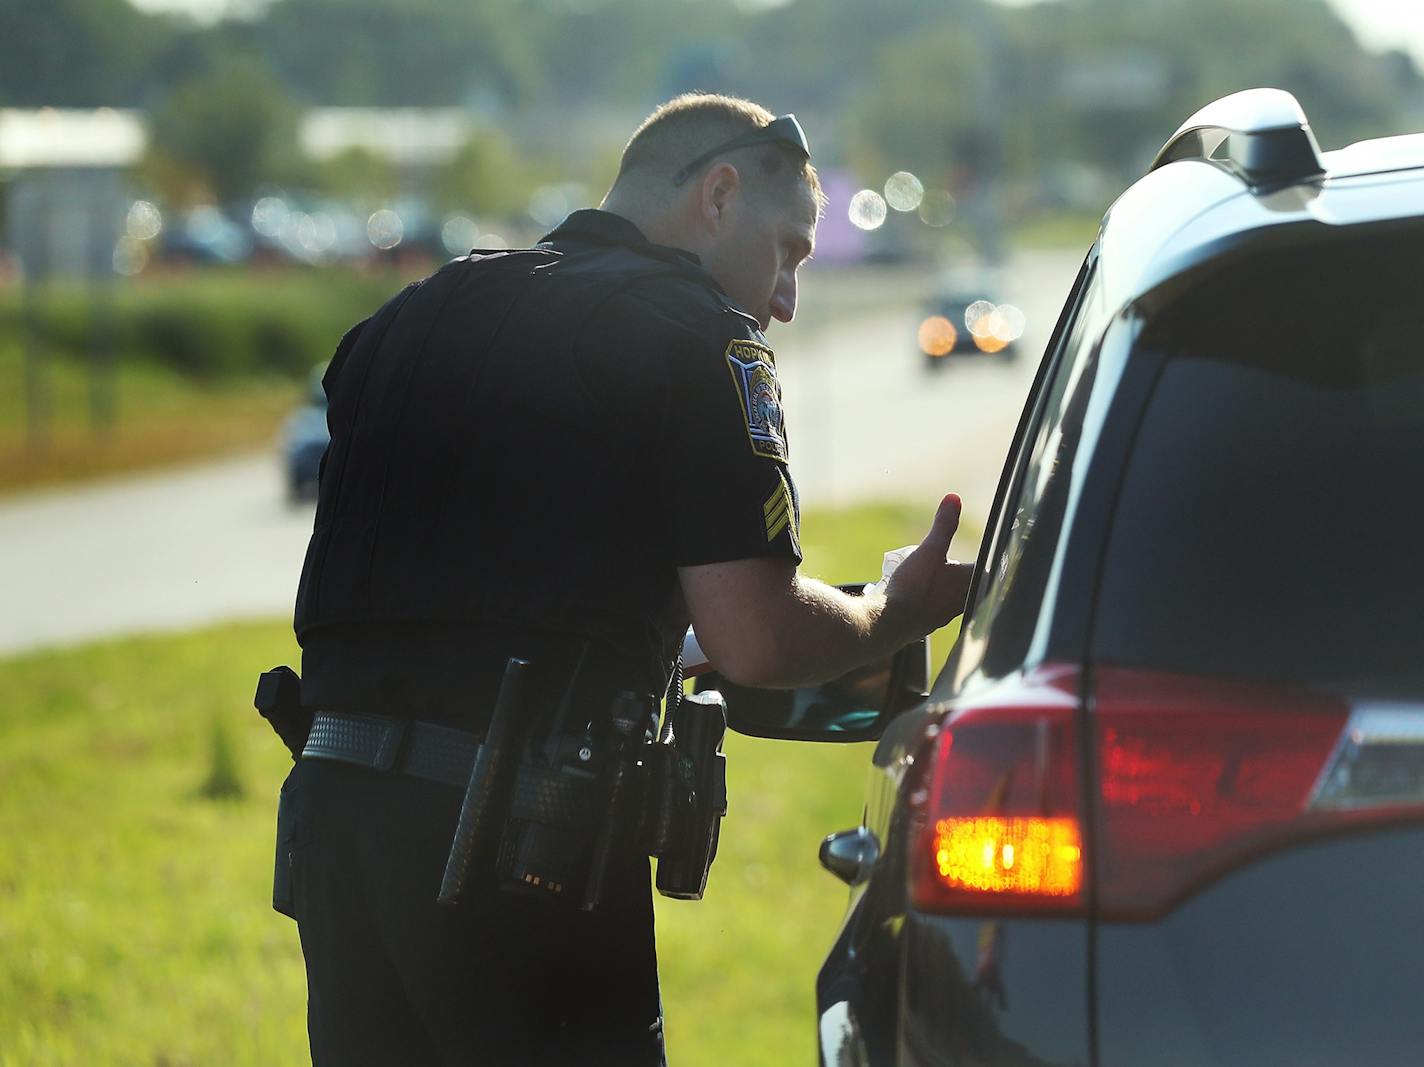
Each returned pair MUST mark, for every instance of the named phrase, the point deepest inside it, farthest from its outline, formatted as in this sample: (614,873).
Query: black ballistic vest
(489,489)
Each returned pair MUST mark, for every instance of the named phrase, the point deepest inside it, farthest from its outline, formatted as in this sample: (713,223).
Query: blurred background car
(1165,802)
(205,235)
(966,318)
(304,440)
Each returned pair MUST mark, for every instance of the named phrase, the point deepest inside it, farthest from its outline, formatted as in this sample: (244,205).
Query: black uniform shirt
(525,447)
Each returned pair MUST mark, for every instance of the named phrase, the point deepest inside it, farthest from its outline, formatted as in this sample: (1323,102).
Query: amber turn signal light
(1042,857)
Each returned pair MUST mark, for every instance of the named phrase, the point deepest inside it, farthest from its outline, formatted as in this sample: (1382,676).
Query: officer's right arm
(763,624)
(736,539)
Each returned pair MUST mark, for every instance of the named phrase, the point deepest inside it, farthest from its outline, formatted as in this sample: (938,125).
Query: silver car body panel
(1181,214)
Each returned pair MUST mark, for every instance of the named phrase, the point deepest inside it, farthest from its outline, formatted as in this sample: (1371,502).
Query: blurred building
(407,136)
(65,201)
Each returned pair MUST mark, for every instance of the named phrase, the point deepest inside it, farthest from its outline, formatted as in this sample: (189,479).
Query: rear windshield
(1271,521)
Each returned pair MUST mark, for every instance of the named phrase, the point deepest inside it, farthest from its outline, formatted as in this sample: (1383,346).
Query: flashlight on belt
(486,803)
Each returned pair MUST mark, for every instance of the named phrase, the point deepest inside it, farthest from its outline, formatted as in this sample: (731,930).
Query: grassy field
(162,418)
(205,362)
(134,924)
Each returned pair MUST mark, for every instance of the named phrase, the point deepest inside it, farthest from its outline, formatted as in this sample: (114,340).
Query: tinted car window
(1022,556)
(1271,520)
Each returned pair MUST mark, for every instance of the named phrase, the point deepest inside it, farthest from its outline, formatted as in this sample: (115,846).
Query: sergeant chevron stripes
(777,511)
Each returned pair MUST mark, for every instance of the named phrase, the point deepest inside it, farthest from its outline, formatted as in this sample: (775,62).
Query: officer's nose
(783,299)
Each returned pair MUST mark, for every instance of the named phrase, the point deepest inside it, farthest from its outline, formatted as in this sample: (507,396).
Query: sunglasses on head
(784,131)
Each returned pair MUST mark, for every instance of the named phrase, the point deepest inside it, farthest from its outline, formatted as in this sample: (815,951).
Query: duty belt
(420,749)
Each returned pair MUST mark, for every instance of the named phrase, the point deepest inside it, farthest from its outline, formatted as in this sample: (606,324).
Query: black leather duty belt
(420,749)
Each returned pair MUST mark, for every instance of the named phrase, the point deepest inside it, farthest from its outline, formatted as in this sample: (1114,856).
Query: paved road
(217,541)
(166,551)
(867,419)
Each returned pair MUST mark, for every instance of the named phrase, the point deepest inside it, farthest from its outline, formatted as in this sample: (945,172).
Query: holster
(283,896)
(279,699)
(688,787)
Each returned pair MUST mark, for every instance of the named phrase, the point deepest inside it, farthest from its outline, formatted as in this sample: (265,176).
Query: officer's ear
(720,186)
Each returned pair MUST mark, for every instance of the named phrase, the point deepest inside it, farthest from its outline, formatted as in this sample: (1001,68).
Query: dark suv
(1165,803)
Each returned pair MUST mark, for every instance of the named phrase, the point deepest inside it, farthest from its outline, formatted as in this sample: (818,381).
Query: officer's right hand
(928,589)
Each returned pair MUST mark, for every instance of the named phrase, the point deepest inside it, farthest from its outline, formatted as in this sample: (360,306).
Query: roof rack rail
(1267,140)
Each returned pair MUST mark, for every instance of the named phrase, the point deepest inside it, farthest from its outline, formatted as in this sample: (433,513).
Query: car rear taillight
(999,809)
(1196,776)
(1190,777)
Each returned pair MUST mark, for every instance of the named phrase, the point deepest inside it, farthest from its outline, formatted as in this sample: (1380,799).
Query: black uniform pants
(394,978)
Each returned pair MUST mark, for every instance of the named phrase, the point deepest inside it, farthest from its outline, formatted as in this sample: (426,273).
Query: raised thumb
(946,522)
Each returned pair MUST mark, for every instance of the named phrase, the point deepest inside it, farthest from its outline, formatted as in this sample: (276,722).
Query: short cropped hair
(688,125)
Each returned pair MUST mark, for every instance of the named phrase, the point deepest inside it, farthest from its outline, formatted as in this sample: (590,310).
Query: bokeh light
(903,191)
(309,237)
(491,241)
(459,234)
(294,225)
(994,327)
(130,256)
(144,222)
(385,229)
(548,205)
(322,235)
(867,209)
(976,317)
(937,208)
(269,215)
(1009,322)
(937,336)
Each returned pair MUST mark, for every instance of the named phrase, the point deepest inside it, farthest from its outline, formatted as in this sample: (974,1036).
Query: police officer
(562,454)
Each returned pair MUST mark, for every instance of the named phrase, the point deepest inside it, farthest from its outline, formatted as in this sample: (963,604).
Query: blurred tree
(1301,45)
(193,49)
(898,83)
(1202,51)
(600,168)
(360,175)
(825,54)
(77,53)
(404,52)
(222,134)
(641,51)
(898,122)
(486,177)
(1105,82)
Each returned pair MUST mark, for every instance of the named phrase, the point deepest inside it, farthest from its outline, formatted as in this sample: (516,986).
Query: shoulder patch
(753,368)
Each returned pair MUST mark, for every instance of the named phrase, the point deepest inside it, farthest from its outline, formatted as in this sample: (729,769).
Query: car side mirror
(857,706)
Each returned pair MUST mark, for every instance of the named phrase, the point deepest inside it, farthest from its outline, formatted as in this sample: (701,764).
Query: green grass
(162,417)
(132,926)
(134,917)
(205,363)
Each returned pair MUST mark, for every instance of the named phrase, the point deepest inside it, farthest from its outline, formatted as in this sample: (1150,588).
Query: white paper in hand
(893,559)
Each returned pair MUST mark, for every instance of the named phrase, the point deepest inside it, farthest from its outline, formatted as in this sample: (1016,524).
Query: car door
(859,986)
